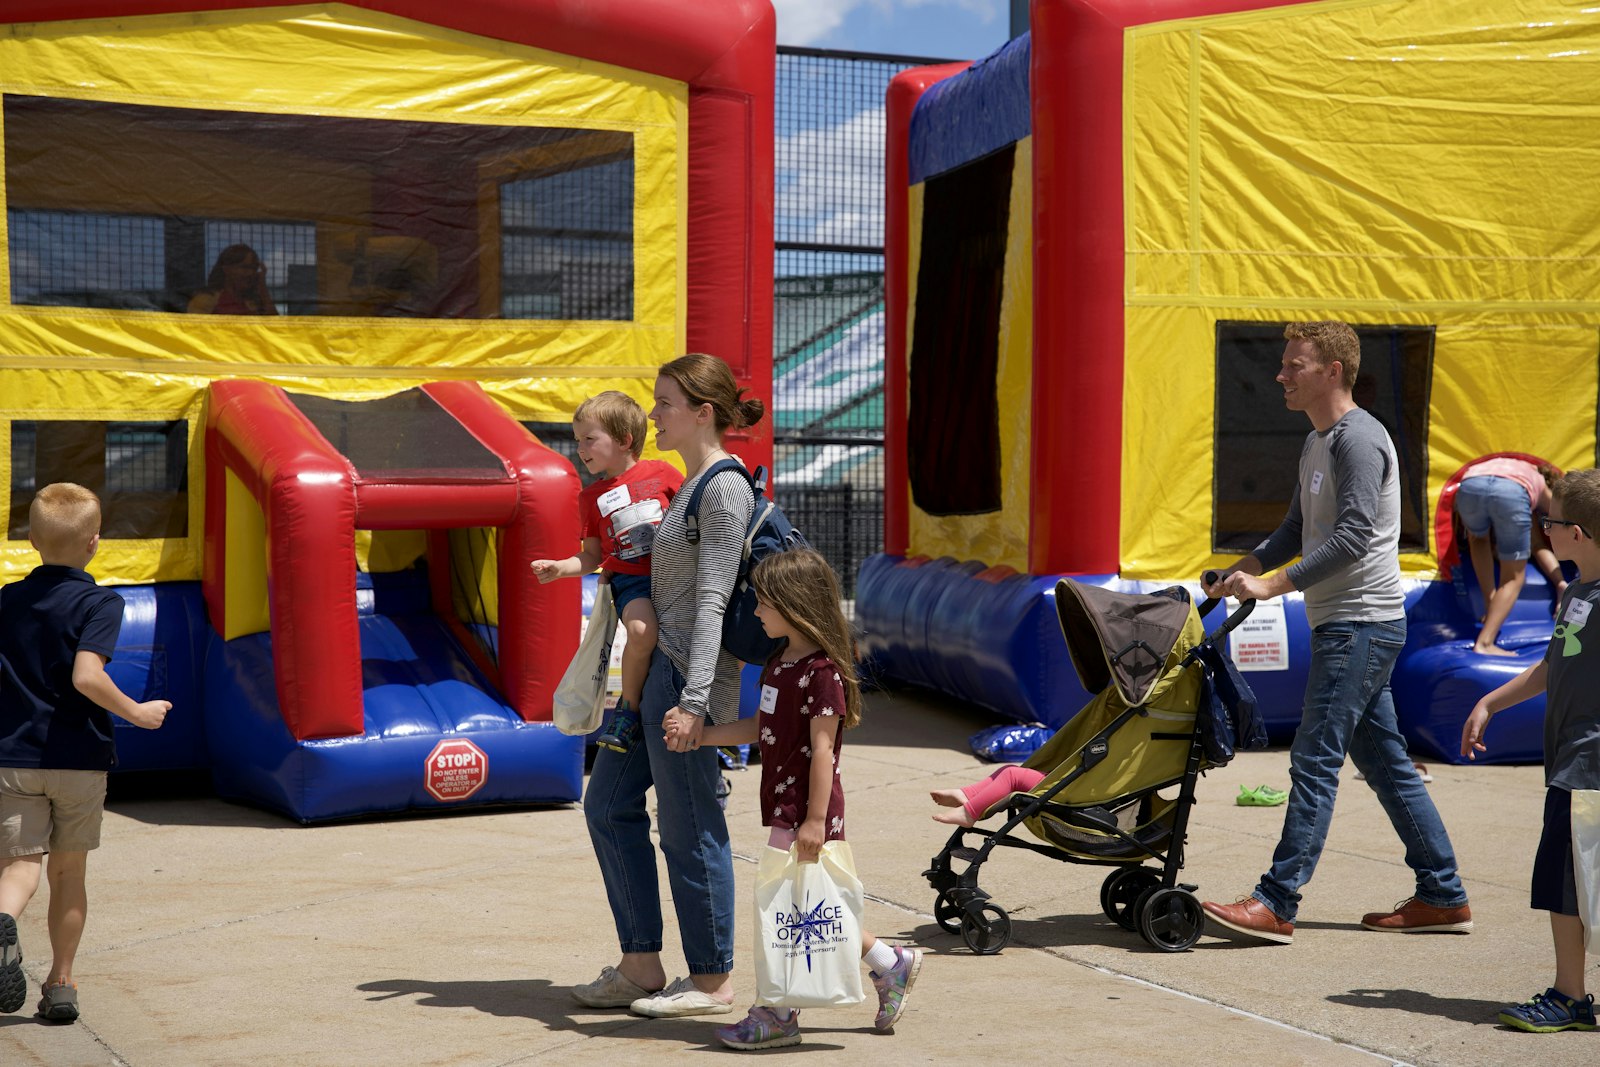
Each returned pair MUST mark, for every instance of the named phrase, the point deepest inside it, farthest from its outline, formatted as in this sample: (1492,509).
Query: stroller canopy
(1121,637)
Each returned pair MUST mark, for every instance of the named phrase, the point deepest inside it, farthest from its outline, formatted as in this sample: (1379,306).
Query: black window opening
(140,470)
(403,437)
(168,209)
(566,248)
(1258,440)
(953,418)
(143,263)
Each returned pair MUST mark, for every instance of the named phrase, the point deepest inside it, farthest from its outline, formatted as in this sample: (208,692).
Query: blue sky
(943,29)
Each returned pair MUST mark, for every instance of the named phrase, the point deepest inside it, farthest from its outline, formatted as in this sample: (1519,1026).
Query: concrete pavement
(220,935)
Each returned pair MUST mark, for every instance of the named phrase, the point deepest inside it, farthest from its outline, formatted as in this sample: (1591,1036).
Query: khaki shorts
(50,811)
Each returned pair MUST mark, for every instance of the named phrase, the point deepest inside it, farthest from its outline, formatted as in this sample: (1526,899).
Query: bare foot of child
(948,798)
(955,817)
(1492,650)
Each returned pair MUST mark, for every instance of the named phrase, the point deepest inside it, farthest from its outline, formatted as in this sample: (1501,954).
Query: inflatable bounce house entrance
(308,295)
(1095,238)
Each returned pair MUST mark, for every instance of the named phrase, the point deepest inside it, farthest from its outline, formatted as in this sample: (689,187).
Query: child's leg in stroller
(978,798)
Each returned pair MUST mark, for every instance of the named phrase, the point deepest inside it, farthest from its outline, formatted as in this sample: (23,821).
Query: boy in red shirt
(620,513)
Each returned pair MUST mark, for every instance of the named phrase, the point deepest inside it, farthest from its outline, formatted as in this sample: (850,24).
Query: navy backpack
(769,533)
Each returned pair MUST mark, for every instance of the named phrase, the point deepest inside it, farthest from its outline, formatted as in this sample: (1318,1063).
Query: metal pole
(1019,17)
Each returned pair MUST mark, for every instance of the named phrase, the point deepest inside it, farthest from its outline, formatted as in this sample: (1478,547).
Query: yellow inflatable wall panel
(76,392)
(244,580)
(997,537)
(1386,163)
(324,60)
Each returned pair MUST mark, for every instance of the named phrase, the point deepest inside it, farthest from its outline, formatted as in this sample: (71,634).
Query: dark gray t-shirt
(1572,691)
(1344,521)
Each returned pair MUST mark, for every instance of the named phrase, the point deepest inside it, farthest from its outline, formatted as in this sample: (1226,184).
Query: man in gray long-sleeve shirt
(1344,523)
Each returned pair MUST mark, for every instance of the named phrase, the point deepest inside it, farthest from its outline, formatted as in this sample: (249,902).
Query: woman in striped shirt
(690,679)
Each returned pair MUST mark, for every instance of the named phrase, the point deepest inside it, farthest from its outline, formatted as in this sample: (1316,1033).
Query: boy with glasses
(1568,675)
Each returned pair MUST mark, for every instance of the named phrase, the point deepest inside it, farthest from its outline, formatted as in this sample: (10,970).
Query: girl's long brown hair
(802,587)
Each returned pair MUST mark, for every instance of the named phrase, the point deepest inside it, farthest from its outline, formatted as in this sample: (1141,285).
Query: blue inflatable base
(992,638)
(420,689)
(158,656)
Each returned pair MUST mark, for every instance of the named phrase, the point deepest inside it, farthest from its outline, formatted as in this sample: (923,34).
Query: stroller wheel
(1171,920)
(988,931)
(947,914)
(1119,894)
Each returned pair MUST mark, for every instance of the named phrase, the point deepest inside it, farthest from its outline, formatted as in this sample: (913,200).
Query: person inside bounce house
(237,285)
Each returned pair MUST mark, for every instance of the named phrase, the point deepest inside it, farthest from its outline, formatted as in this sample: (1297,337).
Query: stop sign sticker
(456,770)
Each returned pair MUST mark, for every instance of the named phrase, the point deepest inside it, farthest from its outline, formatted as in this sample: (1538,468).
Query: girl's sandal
(59,1003)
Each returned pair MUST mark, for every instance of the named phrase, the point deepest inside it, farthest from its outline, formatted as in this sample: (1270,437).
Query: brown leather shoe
(1412,916)
(1253,918)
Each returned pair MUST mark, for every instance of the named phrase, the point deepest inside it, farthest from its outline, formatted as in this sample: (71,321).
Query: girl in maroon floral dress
(809,695)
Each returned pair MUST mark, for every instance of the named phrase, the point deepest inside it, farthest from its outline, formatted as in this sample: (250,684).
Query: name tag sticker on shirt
(1578,612)
(769,700)
(611,501)
(1316,482)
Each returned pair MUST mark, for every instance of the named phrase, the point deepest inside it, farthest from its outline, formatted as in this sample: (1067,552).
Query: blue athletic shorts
(628,587)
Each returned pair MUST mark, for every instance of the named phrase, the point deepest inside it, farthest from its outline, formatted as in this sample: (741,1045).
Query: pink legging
(981,796)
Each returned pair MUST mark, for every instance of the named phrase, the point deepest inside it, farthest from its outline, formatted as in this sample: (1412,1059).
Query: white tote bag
(580,700)
(1586,860)
(808,929)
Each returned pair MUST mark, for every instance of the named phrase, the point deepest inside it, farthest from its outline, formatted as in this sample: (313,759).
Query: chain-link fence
(828,329)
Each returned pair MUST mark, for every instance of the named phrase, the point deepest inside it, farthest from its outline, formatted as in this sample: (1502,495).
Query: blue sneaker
(894,987)
(1551,1012)
(623,729)
(762,1028)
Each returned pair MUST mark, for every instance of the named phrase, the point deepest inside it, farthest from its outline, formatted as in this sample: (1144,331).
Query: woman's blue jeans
(694,835)
(1349,710)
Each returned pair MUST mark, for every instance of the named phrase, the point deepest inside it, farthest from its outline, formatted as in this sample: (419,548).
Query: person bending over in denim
(1344,522)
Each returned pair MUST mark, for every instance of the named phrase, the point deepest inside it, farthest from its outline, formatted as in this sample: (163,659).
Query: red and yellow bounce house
(1094,239)
(305,292)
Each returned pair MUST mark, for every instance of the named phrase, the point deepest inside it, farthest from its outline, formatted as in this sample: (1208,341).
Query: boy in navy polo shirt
(57,630)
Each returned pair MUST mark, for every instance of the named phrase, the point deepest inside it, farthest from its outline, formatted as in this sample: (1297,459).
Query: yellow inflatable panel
(1386,163)
(524,111)
(244,583)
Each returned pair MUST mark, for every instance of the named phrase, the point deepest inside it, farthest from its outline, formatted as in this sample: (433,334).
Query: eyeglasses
(1545,522)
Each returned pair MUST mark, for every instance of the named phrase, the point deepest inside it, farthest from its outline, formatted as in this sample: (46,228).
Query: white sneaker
(680,998)
(610,990)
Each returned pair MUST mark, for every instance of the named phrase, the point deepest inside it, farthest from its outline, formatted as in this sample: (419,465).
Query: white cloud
(986,10)
(806,22)
(803,22)
(844,200)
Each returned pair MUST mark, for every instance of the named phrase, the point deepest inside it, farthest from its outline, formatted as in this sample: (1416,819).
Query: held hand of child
(682,730)
(151,714)
(1472,731)
(808,840)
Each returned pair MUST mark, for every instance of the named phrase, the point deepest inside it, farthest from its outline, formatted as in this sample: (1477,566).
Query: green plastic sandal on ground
(1262,796)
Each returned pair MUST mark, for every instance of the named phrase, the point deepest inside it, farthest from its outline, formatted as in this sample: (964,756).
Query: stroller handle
(1240,613)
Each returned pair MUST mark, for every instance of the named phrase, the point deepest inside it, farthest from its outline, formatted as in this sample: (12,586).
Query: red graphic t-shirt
(792,694)
(623,512)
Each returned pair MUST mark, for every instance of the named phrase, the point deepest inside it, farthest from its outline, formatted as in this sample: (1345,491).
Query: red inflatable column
(538,623)
(900,102)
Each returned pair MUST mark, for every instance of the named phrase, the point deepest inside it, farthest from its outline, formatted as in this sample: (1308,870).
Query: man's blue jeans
(694,835)
(1349,710)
